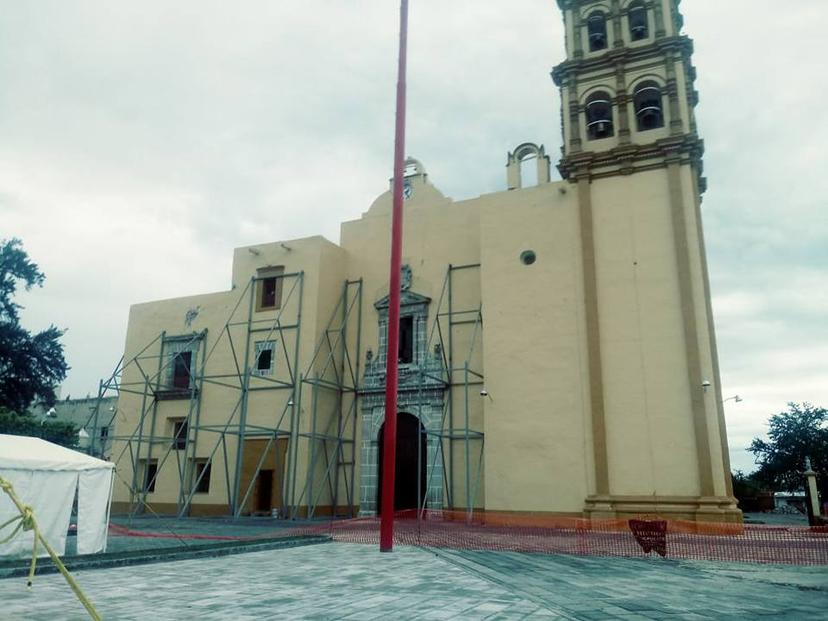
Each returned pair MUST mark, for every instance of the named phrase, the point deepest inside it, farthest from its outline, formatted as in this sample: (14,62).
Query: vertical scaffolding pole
(136,457)
(450,392)
(243,411)
(295,407)
(390,443)
(469,504)
(147,483)
(94,433)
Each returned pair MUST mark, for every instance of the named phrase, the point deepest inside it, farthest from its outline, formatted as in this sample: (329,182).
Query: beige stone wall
(538,440)
(225,318)
(650,449)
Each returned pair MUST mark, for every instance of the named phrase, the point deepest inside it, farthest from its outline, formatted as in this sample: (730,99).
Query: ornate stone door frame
(420,393)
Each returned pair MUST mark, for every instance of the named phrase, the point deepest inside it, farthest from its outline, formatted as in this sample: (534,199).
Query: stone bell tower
(631,148)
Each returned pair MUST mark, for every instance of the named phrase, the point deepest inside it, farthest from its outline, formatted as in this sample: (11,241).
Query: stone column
(659,19)
(622,103)
(676,124)
(574,115)
(617,37)
(578,43)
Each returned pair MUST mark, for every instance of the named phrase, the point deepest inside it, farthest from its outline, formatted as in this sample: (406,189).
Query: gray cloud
(140,143)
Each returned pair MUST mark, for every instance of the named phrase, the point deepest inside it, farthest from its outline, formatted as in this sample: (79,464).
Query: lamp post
(735,398)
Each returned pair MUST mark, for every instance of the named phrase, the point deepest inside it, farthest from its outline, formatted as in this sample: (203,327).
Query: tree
(800,432)
(59,432)
(31,365)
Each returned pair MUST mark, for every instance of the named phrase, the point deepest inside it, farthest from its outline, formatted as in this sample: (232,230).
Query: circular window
(527,257)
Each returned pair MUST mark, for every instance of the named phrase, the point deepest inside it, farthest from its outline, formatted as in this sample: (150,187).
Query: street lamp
(735,398)
(51,413)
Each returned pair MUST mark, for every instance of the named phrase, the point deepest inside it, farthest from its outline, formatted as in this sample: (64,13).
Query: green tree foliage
(745,485)
(800,432)
(65,434)
(31,365)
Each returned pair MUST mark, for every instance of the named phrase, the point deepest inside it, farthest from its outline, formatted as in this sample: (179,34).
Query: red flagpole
(390,438)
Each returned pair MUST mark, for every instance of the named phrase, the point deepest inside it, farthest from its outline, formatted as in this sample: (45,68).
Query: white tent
(46,476)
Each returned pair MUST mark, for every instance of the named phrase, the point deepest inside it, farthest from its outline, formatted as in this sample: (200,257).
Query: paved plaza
(353,581)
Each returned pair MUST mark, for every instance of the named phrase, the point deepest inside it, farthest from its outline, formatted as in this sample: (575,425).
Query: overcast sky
(141,142)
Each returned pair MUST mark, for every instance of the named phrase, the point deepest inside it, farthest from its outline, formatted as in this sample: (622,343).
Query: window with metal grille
(265,358)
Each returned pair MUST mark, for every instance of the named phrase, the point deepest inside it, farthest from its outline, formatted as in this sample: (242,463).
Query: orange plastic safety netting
(796,545)
(618,537)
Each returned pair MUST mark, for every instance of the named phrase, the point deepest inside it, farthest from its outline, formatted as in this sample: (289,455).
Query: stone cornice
(621,56)
(627,159)
(407,298)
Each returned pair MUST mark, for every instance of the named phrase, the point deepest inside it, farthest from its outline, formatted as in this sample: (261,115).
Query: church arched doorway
(410,463)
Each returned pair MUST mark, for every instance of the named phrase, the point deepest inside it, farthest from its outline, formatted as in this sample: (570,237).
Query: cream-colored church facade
(558,353)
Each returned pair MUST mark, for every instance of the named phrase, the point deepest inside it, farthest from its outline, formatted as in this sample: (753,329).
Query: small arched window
(639,25)
(597,31)
(599,116)
(648,108)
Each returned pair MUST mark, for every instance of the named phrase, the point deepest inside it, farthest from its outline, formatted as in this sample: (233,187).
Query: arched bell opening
(597,31)
(527,166)
(639,23)
(649,112)
(599,116)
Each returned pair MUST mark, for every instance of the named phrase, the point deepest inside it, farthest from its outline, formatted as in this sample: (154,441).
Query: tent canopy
(25,453)
(47,477)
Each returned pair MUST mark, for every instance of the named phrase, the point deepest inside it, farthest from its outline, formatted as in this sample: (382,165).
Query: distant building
(557,346)
(96,421)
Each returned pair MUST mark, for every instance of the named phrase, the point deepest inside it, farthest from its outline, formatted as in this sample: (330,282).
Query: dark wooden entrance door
(264,491)
(410,463)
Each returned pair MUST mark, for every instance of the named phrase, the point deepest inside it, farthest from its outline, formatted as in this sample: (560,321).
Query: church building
(557,350)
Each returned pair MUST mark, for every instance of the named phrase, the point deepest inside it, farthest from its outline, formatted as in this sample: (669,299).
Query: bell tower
(627,88)
(632,152)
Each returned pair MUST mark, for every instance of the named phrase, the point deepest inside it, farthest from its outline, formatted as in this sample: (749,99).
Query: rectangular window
(269,288)
(181,363)
(406,350)
(265,354)
(180,360)
(202,473)
(150,474)
(104,433)
(179,434)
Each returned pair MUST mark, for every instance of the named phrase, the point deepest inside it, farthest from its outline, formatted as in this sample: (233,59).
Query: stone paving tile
(347,581)
(332,582)
(600,588)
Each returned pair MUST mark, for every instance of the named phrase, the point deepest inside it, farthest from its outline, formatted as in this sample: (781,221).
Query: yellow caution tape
(27,522)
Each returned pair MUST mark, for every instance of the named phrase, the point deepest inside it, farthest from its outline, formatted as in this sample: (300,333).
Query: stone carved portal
(420,396)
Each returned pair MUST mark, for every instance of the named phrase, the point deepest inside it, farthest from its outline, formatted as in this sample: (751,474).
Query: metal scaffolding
(310,414)
(144,375)
(332,381)
(459,374)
